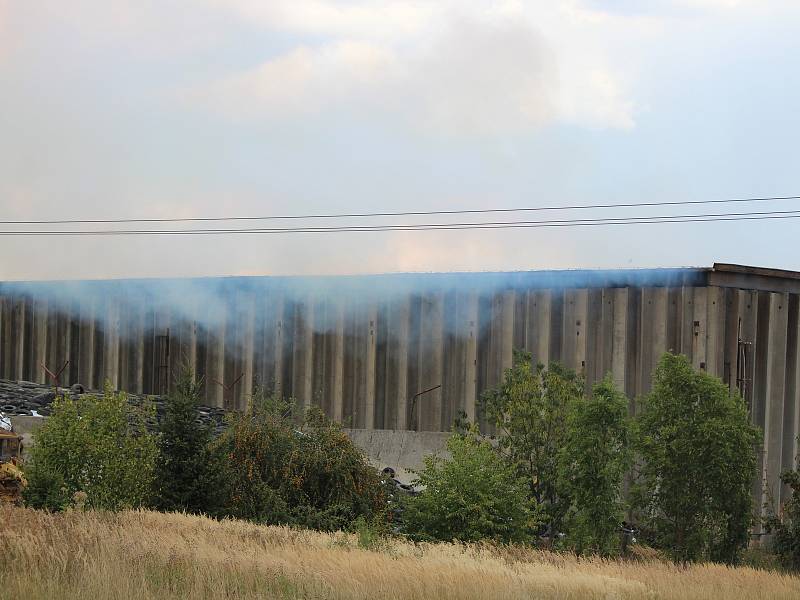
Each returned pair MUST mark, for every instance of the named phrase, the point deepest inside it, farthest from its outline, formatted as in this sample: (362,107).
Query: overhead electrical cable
(697,218)
(396,214)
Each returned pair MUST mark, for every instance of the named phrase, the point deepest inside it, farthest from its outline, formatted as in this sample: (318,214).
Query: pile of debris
(24,398)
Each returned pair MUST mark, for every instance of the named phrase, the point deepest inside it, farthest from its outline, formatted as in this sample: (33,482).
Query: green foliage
(45,490)
(785,526)
(530,411)
(592,464)
(698,462)
(472,496)
(95,445)
(276,467)
(183,480)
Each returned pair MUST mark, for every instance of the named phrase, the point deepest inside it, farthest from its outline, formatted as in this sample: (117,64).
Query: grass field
(152,555)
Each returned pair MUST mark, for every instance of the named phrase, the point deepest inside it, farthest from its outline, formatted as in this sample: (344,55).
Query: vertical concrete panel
(337,370)
(632,351)
(594,338)
(470,385)
(733,316)
(303,352)
(248,310)
(620,337)
(653,342)
(687,321)
(789,450)
(541,330)
(215,364)
(507,331)
(136,355)
(397,362)
(111,335)
(557,326)
(605,343)
(715,331)
(40,340)
(570,330)
(86,341)
(278,341)
(700,329)
(19,340)
(429,404)
(371,341)
(775,393)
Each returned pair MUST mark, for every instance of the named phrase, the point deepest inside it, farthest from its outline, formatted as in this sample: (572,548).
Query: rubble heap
(34,399)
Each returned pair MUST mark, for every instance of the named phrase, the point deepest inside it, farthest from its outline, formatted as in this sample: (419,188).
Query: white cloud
(496,76)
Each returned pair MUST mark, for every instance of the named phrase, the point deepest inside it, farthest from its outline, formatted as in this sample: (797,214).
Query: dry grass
(150,555)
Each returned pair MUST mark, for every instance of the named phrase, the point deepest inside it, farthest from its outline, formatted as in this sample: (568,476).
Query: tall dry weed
(147,555)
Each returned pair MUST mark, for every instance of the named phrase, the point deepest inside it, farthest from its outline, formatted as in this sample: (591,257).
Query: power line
(702,218)
(397,214)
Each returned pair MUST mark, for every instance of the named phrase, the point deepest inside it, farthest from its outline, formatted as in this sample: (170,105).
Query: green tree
(592,465)
(96,445)
(472,496)
(279,467)
(530,409)
(785,525)
(183,479)
(696,445)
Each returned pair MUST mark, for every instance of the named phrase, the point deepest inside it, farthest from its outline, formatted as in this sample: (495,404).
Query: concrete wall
(364,362)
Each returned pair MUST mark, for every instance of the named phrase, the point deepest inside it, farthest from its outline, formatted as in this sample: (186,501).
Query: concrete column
(369,367)
(248,308)
(303,352)
(507,331)
(715,331)
(429,406)
(620,336)
(606,343)
(278,344)
(40,340)
(86,342)
(653,342)
(687,321)
(581,315)
(471,357)
(19,340)
(543,302)
(137,334)
(215,364)
(700,329)
(790,404)
(111,344)
(397,361)
(337,364)
(775,393)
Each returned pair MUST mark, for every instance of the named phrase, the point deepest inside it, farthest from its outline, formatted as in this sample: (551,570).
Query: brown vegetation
(140,554)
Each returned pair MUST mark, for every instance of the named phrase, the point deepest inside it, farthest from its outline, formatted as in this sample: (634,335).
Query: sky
(164,109)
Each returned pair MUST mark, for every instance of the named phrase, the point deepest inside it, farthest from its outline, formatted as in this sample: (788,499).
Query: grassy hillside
(151,555)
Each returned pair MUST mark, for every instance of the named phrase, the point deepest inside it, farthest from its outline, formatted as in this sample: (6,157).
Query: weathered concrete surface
(401,450)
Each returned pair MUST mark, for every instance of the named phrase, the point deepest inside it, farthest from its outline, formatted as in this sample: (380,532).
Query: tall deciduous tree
(592,465)
(698,461)
(530,409)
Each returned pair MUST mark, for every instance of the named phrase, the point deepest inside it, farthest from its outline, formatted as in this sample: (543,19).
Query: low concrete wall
(401,450)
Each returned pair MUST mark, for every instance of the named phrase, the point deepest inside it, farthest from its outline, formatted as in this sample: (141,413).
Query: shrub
(530,410)
(785,526)
(183,478)
(698,461)
(277,467)
(592,464)
(472,496)
(95,445)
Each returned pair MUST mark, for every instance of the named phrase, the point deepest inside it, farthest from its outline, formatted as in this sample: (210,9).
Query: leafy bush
(592,464)
(530,410)
(276,467)
(46,490)
(785,526)
(183,479)
(472,496)
(95,445)
(698,461)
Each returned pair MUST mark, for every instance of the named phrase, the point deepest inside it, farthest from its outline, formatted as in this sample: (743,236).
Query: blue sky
(243,107)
